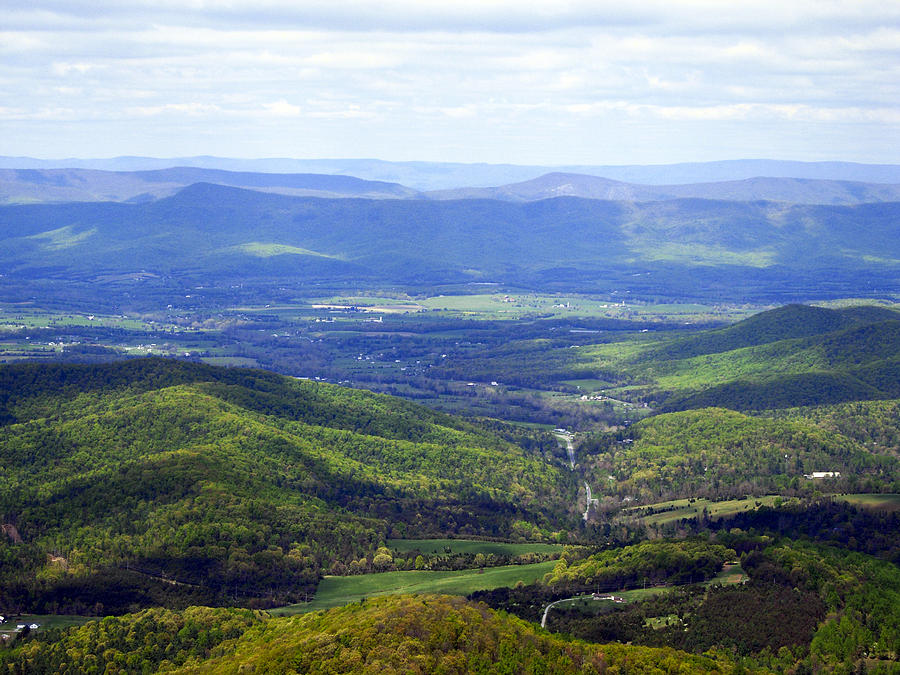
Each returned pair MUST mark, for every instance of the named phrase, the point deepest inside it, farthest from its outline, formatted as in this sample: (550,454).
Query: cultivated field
(336,591)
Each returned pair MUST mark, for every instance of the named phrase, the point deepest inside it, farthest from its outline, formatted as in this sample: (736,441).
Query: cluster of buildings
(7,635)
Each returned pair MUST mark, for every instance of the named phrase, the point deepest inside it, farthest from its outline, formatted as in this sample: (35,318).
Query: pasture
(450,546)
(886,502)
(337,591)
(667,512)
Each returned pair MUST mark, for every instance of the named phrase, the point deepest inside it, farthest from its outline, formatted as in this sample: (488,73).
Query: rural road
(570,449)
(547,608)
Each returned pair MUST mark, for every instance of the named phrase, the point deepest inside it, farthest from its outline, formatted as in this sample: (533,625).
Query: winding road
(547,608)
(570,449)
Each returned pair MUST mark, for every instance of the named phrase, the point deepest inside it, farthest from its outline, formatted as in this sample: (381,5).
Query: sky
(550,82)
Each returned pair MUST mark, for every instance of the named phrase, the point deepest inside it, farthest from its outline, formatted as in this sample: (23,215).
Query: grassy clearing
(731,574)
(589,385)
(470,546)
(337,591)
(888,502)
(267,250)
(530,425)
(63,237)
(699,254)
(45,621)
(656,622)
(13,318)
(667,512)
(234,361)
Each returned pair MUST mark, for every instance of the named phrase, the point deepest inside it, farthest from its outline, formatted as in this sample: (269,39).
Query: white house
(818,475)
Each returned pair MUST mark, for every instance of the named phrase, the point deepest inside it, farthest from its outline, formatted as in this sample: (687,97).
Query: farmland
(470,546)
(336,591)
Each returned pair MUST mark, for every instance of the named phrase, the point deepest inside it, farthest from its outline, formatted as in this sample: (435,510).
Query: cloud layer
(535,82)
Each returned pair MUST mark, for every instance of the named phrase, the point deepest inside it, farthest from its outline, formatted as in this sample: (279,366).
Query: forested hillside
(233,485)
(423,634)
(803,606)
(719,454)
(787,357)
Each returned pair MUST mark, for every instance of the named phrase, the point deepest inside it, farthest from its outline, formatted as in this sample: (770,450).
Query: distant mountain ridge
(213,234)
(88,185)
(446,175)
(792,190)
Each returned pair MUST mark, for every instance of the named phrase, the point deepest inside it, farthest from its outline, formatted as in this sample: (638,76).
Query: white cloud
(190,109)
(282,108)
(525,74)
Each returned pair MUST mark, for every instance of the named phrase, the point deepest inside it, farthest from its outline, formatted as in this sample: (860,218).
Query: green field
(887,502)
(232,361)
(470,546)
(589,385)
(685,508)
(513,304)
(21,318)
(337,591)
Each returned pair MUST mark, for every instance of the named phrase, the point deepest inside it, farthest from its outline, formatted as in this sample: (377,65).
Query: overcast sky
(542,82)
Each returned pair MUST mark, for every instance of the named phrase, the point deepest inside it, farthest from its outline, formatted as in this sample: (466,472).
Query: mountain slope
(232,482)
(721,454)
(790,356)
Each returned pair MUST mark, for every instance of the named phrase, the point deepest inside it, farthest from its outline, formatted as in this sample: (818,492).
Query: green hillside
(167,482)
(787,357)
(783,323)
(418,633)
(719,453)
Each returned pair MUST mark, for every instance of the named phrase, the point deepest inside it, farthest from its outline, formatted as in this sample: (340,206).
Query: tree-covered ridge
(432,634)
(790,356)
(399,634)
(786,357)
(219,236)
(847,348)
(806,607)
(185,417)
(716,453)
(654,561)
(875,424)
(862,595)
(37,390)
(234,496)
(154,640)
(783,323)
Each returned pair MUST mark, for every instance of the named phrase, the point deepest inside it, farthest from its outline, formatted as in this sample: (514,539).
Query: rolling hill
(791,356)
(721,454)
(407,634)
(164,482)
